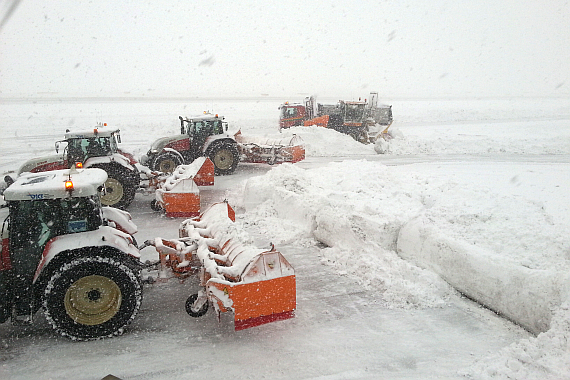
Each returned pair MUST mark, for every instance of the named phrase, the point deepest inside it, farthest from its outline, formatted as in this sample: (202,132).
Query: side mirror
(57,147)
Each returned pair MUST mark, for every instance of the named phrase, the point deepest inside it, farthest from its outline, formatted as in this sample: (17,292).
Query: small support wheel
(189,309)
(155,206)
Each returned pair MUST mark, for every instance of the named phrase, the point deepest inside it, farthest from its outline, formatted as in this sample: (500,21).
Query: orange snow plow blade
(257,149)
(178,194)
(259,286)
(260,302)
(321,121)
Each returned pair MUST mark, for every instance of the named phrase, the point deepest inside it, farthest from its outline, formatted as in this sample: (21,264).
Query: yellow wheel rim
(223,159)
(92,300)
(166,166)
(113,192)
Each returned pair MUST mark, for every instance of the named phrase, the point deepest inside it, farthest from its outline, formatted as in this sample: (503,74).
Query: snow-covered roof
(52,184)
(204,117)
(97,131)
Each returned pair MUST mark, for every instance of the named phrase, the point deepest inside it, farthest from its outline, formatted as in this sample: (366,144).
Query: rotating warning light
(68,185)
(78,165)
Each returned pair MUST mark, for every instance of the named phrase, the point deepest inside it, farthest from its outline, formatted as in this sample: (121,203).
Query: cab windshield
(80,150)
(354,113)
(207,127)
(34,223)
(289,112)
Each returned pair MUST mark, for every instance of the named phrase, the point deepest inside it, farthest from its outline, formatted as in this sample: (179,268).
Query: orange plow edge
(257,285)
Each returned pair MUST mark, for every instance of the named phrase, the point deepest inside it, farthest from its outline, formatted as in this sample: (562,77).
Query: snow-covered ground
(469,200)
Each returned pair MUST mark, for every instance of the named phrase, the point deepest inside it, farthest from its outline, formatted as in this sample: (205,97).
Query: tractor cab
(201,127)
(43,207)
(353,113)
(292,115)
(83,145)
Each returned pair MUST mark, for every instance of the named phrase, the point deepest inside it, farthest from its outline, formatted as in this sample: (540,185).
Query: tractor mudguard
(104,236)
(215,139)
(174,151)
(114,158)
(122,220)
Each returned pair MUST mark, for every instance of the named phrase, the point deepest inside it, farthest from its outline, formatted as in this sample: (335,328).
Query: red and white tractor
(63,252)
(207,135)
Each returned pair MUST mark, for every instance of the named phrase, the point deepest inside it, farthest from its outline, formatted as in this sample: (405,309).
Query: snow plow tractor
(63,252)
(257,285)
(364,121)
(97,148)
(207,135)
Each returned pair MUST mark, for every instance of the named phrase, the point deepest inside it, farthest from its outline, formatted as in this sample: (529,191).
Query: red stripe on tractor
(258,321)
(5,263)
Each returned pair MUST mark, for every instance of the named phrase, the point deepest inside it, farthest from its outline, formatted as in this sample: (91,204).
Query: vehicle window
(34,223)
(287,112)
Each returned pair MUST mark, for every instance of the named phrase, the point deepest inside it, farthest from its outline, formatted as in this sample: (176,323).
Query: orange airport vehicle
(365,121)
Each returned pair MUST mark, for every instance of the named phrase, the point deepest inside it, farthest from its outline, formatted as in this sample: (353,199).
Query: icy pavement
(340,332)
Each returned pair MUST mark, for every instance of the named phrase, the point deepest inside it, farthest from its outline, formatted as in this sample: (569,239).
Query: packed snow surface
(468,198)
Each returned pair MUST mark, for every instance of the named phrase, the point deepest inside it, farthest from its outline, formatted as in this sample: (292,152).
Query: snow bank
(480,138)
(526,296)
(502,251)
(324,142)
(345,209)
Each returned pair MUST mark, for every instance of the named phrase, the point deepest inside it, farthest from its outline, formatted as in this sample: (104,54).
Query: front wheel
(166,162)
(92,297)
(225,157)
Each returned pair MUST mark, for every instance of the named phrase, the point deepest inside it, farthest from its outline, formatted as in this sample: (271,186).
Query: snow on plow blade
(257,285)
(272,151)
(178,194)
(261,300)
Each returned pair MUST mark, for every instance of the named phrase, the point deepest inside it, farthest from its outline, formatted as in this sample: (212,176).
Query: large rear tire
(120,187)
(225,157)
(92,297)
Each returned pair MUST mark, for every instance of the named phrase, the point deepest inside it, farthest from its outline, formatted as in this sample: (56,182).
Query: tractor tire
(190,301)
(120,187)
(225,157)
(92,297)
(166,162)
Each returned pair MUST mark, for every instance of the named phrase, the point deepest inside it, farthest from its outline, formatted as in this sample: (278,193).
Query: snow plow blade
(259,302)
(178,194)
(255,149)
(259,286)
(321,121)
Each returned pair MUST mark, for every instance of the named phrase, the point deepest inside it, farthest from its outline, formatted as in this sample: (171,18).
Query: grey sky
(400,48)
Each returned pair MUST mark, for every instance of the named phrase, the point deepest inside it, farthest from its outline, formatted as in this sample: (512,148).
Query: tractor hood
(163,142)
(56,184)
(42,164)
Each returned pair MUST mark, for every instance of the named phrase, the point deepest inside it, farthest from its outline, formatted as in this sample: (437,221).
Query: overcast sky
(400,48)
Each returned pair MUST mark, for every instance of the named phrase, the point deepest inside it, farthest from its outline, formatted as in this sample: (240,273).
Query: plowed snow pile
(367,216)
